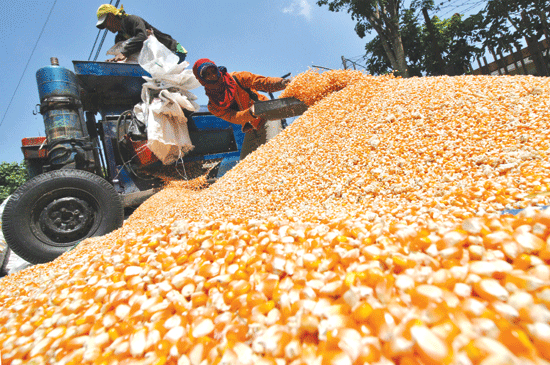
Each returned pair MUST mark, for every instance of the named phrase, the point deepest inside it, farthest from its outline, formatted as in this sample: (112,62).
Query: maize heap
(369,231)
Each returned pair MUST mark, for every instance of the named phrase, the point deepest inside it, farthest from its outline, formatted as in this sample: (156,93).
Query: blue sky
(270,38)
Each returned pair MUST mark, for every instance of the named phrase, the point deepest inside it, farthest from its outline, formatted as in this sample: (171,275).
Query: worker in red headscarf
(231,96)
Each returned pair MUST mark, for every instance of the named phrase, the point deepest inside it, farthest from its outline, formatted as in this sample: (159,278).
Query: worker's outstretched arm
(262,83)
(232,116)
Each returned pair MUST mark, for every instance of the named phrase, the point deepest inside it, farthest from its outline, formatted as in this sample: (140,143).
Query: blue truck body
(88,171)
(112,88)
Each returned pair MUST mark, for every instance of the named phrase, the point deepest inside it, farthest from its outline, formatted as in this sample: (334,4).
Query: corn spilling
(369,231)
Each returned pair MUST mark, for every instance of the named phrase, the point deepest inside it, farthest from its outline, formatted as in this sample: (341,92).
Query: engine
(68,141)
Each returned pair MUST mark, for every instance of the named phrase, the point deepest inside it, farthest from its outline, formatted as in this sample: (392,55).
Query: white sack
(163,66)
(157,59)
(167,132)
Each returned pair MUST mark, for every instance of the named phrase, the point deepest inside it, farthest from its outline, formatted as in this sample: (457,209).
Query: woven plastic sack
(157,59)
(167,132)
(165,94)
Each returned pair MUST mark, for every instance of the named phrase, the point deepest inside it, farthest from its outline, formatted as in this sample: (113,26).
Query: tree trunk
(394,50)
(431,32)
(544,23)
(389,51)
(520,56)
(536,55)
(392,24)
(503,62)
(400,56)
(385,21)
(497,62)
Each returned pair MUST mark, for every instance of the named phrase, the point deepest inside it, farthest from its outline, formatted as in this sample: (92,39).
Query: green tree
(456,46)
(382,16)
(376,60)
(12,176)
(413,33)
(457,39)
(510,21)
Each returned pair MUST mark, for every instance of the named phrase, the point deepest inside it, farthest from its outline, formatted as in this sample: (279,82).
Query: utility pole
(344,63)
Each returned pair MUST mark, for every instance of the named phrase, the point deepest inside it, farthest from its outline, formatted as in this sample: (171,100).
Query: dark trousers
(256,138)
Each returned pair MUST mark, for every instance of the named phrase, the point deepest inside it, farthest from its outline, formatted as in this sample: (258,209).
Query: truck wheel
(54,211)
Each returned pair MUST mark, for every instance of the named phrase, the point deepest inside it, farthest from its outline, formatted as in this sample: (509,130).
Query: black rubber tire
(55,210)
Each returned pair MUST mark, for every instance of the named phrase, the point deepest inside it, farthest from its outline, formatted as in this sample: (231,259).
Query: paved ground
(15,262)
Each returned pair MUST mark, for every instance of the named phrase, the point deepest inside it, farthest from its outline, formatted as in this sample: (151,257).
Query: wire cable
(95,42)
(100,45)
(28,61)
(470,5)
(102,39)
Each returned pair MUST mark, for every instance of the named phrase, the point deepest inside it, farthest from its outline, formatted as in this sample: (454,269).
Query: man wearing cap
(135,30)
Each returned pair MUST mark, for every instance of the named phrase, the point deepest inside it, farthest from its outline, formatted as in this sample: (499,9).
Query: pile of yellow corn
(369,231)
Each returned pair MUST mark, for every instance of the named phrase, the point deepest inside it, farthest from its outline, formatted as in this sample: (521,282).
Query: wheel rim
(65,217)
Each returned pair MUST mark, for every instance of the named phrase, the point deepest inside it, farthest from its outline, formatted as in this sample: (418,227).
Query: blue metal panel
(110,134)
(212,157)
(109,69)
(109,87)
(126,184)
(112,88)
(205,122)
(227,164)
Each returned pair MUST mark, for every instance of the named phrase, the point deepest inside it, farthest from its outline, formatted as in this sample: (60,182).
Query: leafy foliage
(12,175)
(508,22)
(456,40)
(451,45)
(382,16)
(460,39)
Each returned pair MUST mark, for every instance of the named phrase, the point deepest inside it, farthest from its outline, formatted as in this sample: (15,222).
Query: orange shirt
(243,100)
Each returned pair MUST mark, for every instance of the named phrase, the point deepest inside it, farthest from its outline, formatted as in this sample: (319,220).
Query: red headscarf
(221,92)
